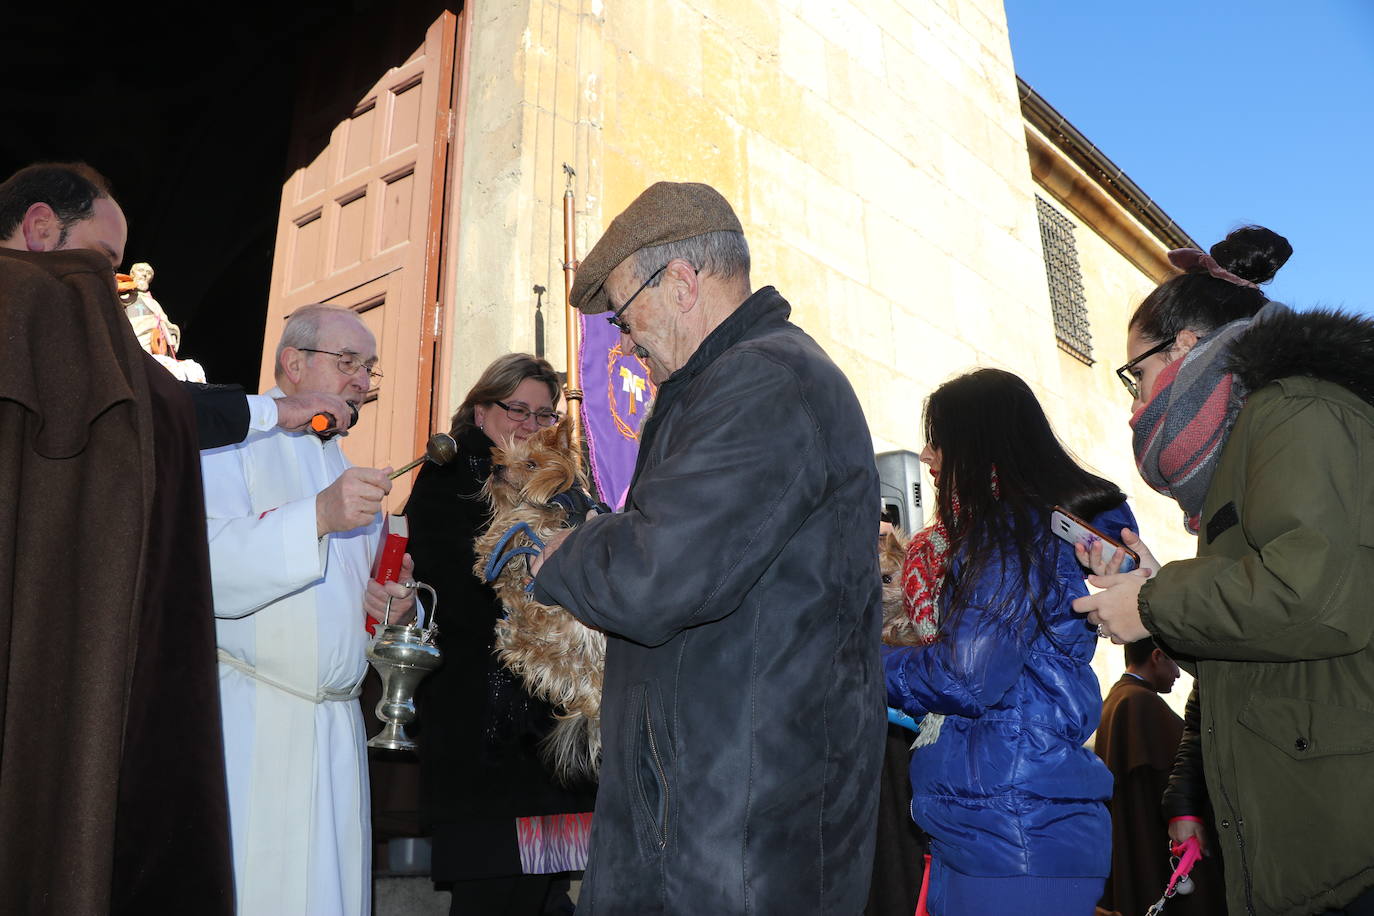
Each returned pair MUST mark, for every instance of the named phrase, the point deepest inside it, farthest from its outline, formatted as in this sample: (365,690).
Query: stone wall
(874,150)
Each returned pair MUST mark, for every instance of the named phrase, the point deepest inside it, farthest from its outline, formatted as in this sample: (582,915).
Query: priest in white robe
(293,529)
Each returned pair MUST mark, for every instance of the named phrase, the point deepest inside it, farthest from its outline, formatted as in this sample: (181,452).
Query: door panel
(370,142)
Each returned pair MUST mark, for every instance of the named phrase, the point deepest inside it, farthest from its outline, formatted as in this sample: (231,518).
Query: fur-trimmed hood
(1325,344)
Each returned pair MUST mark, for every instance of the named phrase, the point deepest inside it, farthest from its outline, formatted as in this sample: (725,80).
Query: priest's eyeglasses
(520,413)
(349,363)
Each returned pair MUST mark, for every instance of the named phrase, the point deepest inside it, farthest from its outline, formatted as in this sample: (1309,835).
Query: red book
(390,550)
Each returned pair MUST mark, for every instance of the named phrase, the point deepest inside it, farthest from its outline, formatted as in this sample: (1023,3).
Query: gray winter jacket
(743,709)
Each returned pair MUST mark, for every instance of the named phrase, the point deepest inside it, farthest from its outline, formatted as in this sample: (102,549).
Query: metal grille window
(1066,282)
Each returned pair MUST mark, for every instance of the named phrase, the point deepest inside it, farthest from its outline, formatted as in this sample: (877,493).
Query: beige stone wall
(874,149)
(1091,410)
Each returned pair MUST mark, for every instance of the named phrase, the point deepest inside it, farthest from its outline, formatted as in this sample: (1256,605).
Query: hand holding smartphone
(1076,531)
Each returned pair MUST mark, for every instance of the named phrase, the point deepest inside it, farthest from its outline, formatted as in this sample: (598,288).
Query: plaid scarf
(1179,435)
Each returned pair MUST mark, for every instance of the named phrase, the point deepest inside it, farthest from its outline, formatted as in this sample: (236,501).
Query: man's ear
(41,227)
(292,364)
(684,284)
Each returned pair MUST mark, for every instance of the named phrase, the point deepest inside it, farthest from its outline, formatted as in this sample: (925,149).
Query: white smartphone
(1076,531)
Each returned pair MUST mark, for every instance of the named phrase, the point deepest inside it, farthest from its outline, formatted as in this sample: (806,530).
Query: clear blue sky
(1228,112)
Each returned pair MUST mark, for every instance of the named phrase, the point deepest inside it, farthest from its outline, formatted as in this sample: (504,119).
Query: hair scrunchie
(1190,258)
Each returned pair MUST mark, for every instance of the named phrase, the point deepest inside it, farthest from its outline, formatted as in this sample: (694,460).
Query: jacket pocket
(1306,730)
(650,760)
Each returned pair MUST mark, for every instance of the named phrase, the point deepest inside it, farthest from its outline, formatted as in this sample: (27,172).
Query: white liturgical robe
(292,642)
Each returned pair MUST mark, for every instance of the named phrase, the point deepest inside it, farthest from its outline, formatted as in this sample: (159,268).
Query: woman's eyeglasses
(520,413)
(1129,380)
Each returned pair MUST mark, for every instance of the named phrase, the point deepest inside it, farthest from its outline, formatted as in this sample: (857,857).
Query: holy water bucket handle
(433,606)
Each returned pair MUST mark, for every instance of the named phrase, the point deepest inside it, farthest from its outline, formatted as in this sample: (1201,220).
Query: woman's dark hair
(1002,470)
(1198,301)
(497,382)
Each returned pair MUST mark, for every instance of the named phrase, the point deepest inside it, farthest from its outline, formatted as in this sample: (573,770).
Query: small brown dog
(898,629)
(560,659)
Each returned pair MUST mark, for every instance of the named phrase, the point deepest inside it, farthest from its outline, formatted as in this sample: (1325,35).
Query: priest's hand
(351,501)
(402,596)
(295,410)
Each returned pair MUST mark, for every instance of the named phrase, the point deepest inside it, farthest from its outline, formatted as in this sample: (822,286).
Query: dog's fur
(898,628)
(560,659)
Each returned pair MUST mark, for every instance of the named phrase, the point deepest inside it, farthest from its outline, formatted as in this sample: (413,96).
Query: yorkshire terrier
(898,628)
(537,484)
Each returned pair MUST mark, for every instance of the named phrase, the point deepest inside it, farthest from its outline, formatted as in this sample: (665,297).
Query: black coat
(479,730)
(742,713)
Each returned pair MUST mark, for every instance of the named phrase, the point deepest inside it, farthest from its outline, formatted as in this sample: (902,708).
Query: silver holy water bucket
(402,654)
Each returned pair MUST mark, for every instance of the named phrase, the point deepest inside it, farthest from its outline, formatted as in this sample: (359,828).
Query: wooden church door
(362,213)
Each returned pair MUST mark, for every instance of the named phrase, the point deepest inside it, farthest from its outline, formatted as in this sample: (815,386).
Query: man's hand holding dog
(550,546)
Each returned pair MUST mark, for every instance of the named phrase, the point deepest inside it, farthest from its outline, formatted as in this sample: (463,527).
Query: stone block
(898,257)
(805,208)
(753,24)
(892,19)
(845,25)
(802,54)
(623,180)
(664,33)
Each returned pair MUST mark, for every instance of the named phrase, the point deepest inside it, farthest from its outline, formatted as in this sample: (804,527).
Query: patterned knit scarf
(1180,433)
(923,576)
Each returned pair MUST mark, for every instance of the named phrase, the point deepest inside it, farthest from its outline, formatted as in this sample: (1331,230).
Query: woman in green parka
(1259,421)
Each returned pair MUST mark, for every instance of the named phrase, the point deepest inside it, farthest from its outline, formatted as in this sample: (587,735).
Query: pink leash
(1187,853)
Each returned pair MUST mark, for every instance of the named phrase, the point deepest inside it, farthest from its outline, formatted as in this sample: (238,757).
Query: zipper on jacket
(1240,842)
(662,775)
(1244,865)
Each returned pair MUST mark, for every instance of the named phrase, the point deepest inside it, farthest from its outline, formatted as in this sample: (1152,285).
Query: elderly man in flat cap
(739,590)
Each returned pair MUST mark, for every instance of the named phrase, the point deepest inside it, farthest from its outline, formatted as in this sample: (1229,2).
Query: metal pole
(573,389)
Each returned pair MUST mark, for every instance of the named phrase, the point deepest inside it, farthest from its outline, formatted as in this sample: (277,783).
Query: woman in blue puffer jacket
(1015,806)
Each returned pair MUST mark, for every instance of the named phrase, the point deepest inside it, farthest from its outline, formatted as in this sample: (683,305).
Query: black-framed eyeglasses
(1124,373)
(615,319)
(349,363)
(520,413)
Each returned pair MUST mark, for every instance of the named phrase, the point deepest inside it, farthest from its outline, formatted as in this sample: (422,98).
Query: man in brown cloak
(112,795)
(1137,740)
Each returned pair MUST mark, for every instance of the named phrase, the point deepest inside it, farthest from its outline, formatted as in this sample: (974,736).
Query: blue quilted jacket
(1009,788)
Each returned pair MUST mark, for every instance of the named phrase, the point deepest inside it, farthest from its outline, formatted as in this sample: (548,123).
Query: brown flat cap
(666,212)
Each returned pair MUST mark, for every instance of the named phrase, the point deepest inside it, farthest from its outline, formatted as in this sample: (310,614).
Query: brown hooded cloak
(112,795)
(1137,740)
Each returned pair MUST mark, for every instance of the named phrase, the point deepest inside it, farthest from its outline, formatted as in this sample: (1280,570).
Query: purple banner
(617,392)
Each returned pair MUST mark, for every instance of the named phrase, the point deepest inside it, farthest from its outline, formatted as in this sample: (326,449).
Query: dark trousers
(517,895)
